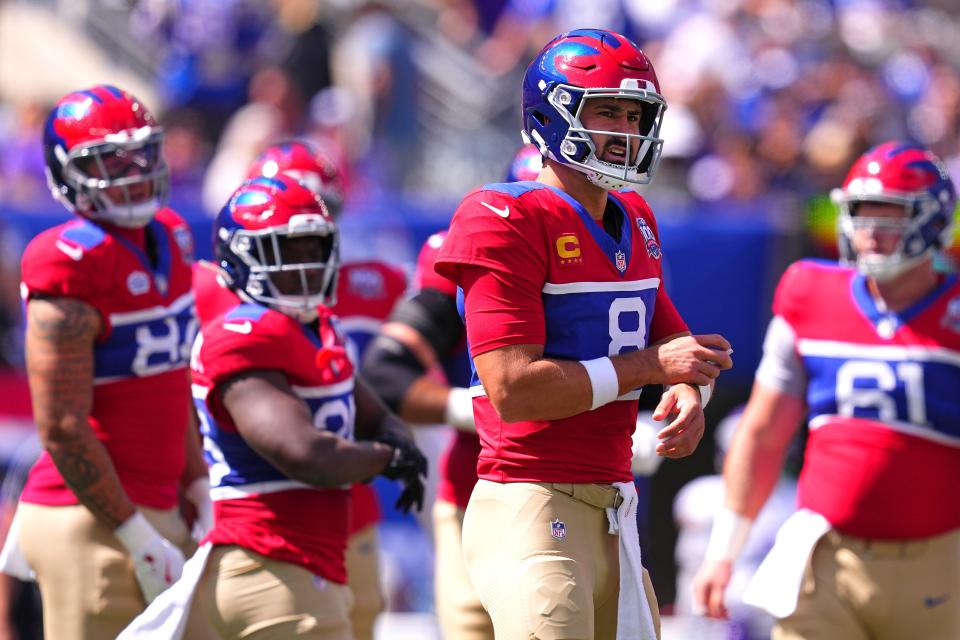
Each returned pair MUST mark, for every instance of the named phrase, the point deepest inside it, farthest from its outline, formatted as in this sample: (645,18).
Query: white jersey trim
(257,488)
(326,391)
(910,429)
(600,287)
(199,391)
(833,349)
(153,313)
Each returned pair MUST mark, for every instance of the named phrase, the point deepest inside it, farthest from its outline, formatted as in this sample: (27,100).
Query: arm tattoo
(59,349)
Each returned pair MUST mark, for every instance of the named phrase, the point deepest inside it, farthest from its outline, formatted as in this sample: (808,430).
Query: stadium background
(768,103)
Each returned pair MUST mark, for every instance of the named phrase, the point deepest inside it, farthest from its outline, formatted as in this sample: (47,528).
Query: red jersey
(256,506)
(141,392)
(366,294)
(883,454)
(596,296)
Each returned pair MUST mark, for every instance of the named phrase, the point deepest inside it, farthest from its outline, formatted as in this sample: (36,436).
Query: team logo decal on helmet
(575,67)
(307,163)
(102,149)
(902,174)
(279,246)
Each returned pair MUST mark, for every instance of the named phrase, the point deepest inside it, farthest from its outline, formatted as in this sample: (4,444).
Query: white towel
(776,584)
(166,617)
(12,561)
(634,620)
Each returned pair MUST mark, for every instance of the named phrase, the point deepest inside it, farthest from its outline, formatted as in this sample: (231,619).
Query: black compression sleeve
(390,367)
(434,316)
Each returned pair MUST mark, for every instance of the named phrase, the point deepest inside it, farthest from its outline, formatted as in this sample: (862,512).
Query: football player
(869,353)
(566,319)
(279,407)
(109,326)
(366,294)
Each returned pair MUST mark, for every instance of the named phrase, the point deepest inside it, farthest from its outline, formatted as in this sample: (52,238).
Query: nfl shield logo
(621,261)
(951,318)
(558,530)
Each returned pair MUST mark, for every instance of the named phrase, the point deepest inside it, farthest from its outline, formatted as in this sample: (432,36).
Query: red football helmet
(308,164)
(903,174)
(279,246)
(575,67)
(102,149)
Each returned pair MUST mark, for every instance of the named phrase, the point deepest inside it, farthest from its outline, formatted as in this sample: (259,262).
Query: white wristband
(603,381)
(459,410)
(706,391)
(136,533)
(728,536)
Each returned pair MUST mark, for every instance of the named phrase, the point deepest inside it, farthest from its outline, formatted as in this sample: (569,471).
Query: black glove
(407,465)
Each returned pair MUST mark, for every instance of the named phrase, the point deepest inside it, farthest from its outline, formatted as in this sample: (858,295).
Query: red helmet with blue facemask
(102,149)
(575,67)
(903,174)
(278,245)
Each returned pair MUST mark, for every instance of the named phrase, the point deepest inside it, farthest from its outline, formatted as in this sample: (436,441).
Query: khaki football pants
(459,611)
(363,578)
(857,589)
(542,561)
(246,595)
(85,576)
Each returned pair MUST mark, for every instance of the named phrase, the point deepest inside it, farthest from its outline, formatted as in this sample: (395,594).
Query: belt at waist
(601,496)
(869,547)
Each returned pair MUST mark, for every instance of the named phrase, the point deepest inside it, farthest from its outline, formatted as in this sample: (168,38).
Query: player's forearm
(750,474)
(425,402)
(543,389)
(336,462)
(59,354)
(86,467)
(759,446)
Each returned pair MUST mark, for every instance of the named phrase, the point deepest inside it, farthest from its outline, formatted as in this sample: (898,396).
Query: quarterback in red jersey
(280,406)
(366,294)
(870,352)
(109,326)
(566,319)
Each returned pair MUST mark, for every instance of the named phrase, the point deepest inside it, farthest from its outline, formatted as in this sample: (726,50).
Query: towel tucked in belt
(634,620)
(776,584)
(166,617)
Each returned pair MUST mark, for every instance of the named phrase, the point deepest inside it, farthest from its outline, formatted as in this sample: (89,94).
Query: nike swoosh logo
(503,213)
(75,253)
(243,327)
(930,601)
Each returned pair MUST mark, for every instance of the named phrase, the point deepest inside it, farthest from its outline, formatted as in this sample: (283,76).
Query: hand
(693,359)
(682,435)
(710,586)
(198,493)
(157,564)
(408,464)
